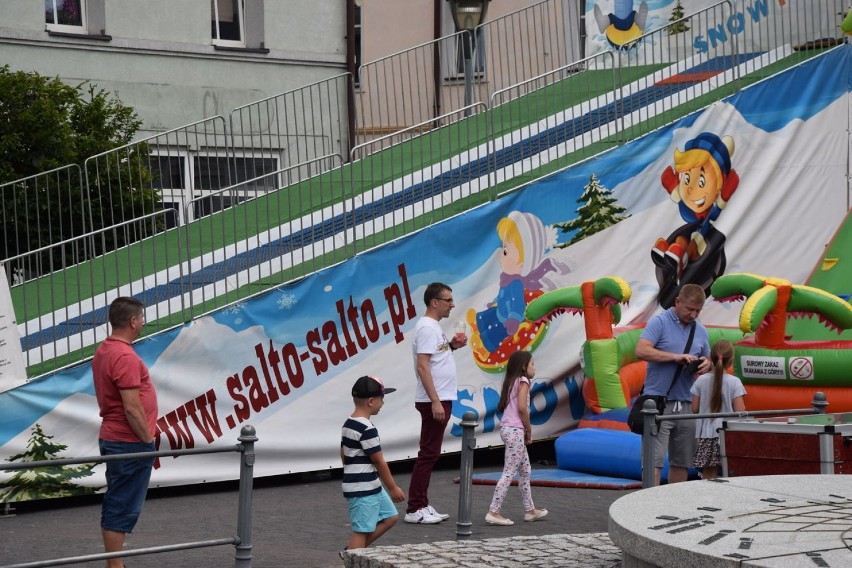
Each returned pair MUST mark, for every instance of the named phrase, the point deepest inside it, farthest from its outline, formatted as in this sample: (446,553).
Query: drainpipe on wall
(350,67)
(436,62)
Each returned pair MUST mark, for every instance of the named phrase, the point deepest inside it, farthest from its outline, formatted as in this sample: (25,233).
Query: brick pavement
(593,550)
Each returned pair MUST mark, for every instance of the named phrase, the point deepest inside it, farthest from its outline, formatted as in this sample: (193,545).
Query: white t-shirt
(732,388)
(430,339)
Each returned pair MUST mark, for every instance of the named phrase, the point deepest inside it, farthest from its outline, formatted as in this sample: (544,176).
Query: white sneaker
(422,516)
(442,516)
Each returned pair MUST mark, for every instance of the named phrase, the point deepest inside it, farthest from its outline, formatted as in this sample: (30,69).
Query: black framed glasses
(450,300)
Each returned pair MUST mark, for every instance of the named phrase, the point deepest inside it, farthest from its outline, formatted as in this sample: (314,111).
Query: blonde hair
(695,158)
(508,232)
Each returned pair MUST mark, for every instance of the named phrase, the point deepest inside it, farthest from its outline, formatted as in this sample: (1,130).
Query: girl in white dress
(716,391)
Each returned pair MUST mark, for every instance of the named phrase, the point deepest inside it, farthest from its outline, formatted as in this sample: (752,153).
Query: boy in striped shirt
(371,510)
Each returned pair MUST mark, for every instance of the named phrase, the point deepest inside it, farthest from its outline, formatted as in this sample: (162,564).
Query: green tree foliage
(598,210)
(677,14)
(44,125)
(43,482)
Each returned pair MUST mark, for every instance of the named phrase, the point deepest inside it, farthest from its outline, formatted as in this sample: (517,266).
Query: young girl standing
(716,391)
(516,432)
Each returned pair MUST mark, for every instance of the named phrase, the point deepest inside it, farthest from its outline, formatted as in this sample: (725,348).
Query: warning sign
(802,368)
(756,367)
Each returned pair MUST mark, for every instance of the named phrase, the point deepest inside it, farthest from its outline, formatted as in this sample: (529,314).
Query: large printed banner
(712,28)
(285,362)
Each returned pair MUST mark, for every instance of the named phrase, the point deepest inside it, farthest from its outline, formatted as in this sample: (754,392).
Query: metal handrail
(651,419)
(242,541)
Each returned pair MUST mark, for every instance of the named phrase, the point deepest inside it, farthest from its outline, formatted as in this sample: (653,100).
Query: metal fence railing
(153,173)
(427,83)
(271,238)
(567,114)
(38,212)
(435,174)
(528,43)
(242,541)
(291,128)
(264,197)
(61,316)
(652,419)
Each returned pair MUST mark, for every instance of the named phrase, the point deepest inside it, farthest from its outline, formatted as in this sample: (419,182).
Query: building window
(65,15)
(452,61)
(228,26)
(196,180)
(168,172)
(253,174)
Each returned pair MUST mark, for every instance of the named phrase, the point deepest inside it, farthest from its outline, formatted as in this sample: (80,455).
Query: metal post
(826,452)
(242,555)
(649,416)
(819,402)
(468,71)
(463,524)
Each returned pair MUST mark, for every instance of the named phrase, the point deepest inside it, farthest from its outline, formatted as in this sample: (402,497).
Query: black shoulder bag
(636,421)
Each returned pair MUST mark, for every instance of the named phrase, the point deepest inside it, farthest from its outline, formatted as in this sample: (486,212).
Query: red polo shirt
(116,367)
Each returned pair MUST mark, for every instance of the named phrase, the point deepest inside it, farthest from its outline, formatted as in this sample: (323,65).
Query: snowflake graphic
(235,309)
(286,301)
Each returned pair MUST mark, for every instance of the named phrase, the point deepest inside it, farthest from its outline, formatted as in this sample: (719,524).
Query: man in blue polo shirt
(662,345)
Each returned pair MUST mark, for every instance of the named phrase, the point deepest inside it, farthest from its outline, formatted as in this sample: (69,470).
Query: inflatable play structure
(778,369)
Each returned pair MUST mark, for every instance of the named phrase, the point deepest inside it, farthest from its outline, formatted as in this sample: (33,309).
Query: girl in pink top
(516,432)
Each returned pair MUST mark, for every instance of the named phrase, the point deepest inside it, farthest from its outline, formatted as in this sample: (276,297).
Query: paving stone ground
(593,550)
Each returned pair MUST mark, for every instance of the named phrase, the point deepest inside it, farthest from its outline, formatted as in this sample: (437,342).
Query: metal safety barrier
(242,541)
(652,418)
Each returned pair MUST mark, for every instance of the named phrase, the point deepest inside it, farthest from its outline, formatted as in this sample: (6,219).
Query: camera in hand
(692,367)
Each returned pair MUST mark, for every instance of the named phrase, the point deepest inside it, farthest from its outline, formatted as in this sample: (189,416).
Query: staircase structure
(330,204)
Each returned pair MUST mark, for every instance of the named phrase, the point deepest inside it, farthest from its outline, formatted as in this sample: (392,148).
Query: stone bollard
(243,555)
(464,524)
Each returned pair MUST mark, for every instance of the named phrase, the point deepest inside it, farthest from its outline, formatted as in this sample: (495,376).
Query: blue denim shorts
(127,485)
(366,512)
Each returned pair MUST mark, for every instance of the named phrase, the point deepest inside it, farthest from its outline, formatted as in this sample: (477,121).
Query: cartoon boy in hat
(701,183)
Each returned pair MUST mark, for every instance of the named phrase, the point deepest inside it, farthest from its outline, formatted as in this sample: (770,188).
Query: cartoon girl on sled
(501,328)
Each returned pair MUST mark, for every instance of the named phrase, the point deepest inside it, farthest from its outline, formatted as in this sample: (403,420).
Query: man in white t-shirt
(436,390)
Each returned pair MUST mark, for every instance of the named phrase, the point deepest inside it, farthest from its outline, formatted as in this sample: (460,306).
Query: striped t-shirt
(360,439)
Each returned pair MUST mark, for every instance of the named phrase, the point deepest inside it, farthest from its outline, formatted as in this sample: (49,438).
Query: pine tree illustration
(43,482)
(677,14)
(597,212)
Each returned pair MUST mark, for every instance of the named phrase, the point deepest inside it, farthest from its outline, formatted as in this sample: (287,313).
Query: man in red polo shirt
(128,409)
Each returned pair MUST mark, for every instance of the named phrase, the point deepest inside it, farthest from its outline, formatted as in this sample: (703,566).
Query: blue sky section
(804,91)
(22,406)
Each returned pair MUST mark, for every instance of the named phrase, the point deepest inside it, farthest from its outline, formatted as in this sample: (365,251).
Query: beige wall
(159,57)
